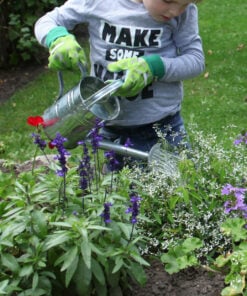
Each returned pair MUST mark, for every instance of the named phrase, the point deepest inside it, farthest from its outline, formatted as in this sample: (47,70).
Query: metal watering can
(73,114)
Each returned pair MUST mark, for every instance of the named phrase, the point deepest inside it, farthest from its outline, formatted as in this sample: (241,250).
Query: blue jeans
(144,137)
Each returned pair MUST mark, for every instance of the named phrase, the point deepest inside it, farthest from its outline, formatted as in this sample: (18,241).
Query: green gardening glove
(65,51)
(139,72)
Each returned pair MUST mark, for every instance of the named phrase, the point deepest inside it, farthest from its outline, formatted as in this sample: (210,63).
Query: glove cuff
(54,34)
(155,64)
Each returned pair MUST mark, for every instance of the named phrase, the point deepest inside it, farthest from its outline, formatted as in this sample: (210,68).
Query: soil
(189,282)
(13,79)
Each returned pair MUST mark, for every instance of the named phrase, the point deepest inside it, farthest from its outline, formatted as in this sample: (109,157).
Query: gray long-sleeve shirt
(122,28)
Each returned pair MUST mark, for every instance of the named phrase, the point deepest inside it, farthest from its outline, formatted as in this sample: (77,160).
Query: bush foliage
(17,19)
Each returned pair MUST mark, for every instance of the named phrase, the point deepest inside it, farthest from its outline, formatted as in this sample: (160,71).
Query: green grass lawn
(216,101)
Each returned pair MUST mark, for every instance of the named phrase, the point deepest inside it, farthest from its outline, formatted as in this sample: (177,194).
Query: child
(152,44)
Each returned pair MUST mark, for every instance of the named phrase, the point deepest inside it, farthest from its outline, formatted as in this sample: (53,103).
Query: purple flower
(237,201)
(113,163)
(84,169)
(38,141)
(128,143)
(62,153)
(95,136)
(134,208)
(106,212)
(241,139)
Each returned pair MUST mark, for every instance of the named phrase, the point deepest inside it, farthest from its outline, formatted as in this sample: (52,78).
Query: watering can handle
(61,82)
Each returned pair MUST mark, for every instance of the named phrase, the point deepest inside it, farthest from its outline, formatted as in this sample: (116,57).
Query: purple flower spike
(113,163)
(134,208)
(38,141)
(62,153)
(106,213)
(95,136)
(84,170)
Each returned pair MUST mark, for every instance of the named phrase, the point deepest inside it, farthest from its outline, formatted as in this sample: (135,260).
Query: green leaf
(98,227)
(40,223)
(221,260)
(26,271)
(126,229)
(234,227)
(86,253)
(56,239)
(138,273)
(186,261)
(35,281)
(13,211)
(171,264)
(98,272)
(139,259)
(236,286)
(69,257)
(96,250)
(3,284)
(157,218)
(191,244)
(13,230)
(82,278)
(71,271)
(9,261)
(118,264)
(61,224)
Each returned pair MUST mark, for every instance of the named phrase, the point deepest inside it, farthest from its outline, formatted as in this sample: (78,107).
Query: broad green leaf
(118,264)
(98,227)
(86,253)
(71,271)
(26,271)
(82,278)
(126,229)
(3,285)
(35,281)
(98,272)
(186,261)
(236,286)
(171,264)
(234,227)
(138,273)
(9,261)
(139,259)
(84,234)
(13,230)
(69,257)
(40,223)
(56,239)
(221,260)
(61,224)
(21,187)
(96,250)
(191,244)
(17,211)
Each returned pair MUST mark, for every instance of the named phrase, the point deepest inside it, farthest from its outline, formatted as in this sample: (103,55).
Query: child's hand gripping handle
(65,52)
(138,73)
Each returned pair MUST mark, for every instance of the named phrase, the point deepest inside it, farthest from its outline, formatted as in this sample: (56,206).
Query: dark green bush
(17,17)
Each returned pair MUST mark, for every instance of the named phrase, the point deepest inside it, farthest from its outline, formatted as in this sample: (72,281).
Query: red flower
(35,120)
(51,146)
